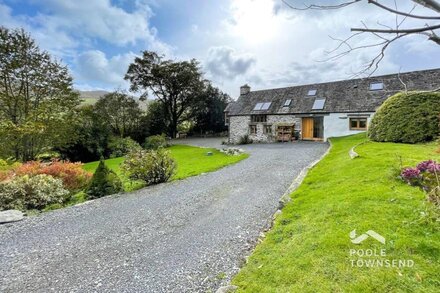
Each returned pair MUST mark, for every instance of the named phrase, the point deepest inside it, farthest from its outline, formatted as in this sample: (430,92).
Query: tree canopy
(176,85)
(37,101)
(121,112)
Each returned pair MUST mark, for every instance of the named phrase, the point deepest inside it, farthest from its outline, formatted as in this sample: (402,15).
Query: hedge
(407,118)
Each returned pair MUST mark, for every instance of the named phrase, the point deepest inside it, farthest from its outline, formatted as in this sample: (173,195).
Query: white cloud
(287,44)
(94,67)
(261,42)
(224,62)
(99,19)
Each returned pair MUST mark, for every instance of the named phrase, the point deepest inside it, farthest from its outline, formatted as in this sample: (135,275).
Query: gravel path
(184,236)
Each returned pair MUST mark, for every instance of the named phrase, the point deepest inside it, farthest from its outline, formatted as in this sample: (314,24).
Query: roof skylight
(287,103)
(265,106)
(262,106)
(258,106)
(318,104)
(312,92)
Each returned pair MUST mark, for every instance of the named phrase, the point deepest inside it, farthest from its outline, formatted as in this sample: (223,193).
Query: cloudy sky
(260,42)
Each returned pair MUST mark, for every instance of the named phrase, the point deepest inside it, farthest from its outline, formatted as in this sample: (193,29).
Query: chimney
(245,89)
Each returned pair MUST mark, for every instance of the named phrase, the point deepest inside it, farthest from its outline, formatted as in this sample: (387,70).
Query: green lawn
(190,161)
(307,250)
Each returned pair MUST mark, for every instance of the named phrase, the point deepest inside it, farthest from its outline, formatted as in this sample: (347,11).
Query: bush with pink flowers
(426,175)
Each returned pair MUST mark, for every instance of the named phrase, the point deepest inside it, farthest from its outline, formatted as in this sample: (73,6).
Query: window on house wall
(358,123)
(287,103)
(267,129)
(253,129)
(312,92)
(318,104)
(376,86)
(258,118)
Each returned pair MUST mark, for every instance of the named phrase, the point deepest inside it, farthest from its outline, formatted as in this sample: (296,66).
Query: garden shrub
(3,164)
(74,177)
(72,174)
(155,142)
(7,165)
(152,167)
(245,139)
(48,156)
(30,168)
(104,182)
(425,175)
(407,118)
(5,175)
(6,169)
(121,146)
(32,192)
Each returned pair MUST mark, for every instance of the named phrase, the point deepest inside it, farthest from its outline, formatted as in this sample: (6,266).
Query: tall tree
(93,133)
(121,111)
(175,84)
(156,121)
(37,102)
(209,115)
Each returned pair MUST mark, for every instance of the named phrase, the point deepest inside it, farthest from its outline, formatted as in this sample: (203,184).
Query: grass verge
(308,249)
(190,160)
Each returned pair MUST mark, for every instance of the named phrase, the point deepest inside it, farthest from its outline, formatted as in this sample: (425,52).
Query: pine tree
(104,182)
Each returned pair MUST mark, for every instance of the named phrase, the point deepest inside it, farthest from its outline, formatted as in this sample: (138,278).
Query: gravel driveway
(184,236)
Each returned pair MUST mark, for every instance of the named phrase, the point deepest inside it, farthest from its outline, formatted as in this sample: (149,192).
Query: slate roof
(352,95)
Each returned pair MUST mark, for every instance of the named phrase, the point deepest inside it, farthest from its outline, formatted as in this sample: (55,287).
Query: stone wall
(335,124)
(239,126)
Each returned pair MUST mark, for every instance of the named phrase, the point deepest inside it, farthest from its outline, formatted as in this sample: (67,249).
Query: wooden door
(307,128)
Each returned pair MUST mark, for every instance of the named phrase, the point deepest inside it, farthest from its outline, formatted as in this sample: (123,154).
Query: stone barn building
(318,111)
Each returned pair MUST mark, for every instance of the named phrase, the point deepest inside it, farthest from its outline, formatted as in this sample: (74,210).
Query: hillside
(90,97)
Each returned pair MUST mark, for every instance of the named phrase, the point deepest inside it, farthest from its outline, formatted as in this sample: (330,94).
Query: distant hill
(90,98)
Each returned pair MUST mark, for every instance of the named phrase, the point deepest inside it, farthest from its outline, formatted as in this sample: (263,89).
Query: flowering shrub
(427,176)
(423,166)
(152,167)
(31,192)
(71,174)
(411,176)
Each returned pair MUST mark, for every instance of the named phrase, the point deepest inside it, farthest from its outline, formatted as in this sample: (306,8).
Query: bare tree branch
(401,81)
(386,35)
(431,4)
(322,7)
(395,11)
(397,31)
